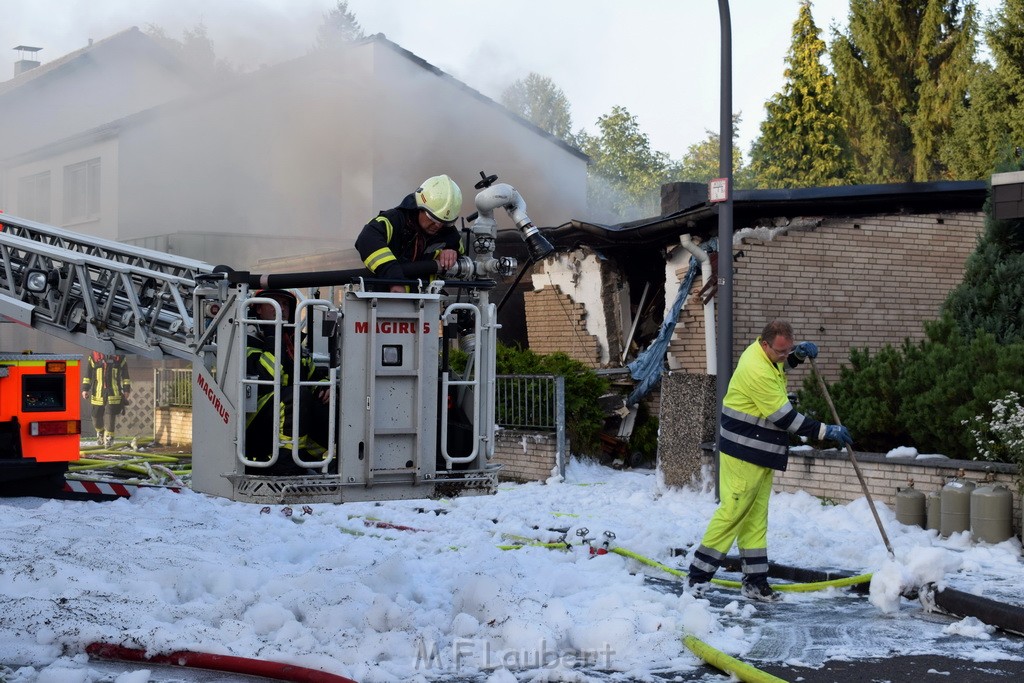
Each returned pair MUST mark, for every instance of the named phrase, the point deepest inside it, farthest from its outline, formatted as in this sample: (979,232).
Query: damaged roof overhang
(755,207)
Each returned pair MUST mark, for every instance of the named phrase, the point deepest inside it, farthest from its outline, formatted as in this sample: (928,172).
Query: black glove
(839,434)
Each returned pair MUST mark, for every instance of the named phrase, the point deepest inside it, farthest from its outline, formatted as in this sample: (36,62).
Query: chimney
(23,64)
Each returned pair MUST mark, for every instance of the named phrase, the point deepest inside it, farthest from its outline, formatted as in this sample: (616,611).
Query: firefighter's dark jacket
(107,380)
(394,237)
(260,424)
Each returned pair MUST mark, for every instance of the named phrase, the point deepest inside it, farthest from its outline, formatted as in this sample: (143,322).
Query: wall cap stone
(927,463)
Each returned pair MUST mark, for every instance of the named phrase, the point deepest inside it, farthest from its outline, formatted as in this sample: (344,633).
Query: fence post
(560,455)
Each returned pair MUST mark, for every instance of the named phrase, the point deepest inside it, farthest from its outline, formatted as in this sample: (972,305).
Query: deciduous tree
(703,162)
(537,99)
(625,174)
(195,49)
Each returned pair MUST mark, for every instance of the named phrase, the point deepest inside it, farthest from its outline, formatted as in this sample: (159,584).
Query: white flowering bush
(999,437)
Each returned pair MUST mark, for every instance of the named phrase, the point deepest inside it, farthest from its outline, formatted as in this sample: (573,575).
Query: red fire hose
(203,660)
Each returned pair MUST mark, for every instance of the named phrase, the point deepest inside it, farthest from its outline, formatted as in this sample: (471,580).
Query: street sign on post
(718,190)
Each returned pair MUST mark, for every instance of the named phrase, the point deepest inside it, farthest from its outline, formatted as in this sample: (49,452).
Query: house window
(82,191)
(34,197)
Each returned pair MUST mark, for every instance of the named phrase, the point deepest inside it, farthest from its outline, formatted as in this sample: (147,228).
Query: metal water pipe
(710,347)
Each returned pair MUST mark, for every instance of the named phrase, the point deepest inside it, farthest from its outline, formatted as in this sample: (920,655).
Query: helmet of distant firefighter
(265,311)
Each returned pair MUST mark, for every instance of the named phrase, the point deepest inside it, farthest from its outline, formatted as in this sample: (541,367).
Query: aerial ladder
(400,422)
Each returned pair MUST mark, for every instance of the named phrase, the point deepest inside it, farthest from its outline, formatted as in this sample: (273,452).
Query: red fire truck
(39,420)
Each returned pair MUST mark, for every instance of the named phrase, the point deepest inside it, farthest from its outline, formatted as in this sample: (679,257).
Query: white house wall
(116,77)
(297,160)
(102,225)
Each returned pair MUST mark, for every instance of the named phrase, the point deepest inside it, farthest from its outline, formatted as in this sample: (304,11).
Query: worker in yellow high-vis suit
(757,419)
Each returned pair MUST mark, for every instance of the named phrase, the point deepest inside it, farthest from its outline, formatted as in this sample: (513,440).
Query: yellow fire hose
(713,657)
(729,665)
(521,541)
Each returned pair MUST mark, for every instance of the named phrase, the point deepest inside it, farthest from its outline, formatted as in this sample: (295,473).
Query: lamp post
(724,359)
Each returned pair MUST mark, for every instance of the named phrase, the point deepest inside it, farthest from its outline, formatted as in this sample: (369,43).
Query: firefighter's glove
(805,350)
(839,434)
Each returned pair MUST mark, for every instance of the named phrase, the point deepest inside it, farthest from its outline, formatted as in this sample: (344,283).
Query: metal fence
(529,401)
(172,388)
(535,403)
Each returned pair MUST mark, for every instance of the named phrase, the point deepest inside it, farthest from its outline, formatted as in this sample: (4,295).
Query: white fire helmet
(441,198)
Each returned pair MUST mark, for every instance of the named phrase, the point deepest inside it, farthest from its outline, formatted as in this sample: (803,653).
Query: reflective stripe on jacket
(262,365)
(106,380)
(393,236)
(757,416)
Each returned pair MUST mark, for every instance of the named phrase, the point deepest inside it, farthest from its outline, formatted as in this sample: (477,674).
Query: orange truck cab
(40,420)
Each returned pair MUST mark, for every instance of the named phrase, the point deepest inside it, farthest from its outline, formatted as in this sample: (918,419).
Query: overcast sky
(657,58)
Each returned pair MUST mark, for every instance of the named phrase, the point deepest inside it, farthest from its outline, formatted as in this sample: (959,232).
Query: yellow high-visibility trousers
(742,515)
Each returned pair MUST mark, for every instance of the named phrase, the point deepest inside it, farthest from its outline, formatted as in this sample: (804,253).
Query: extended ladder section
(97,293)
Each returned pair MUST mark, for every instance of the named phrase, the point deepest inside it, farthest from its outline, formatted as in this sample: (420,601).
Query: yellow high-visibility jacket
(757,416)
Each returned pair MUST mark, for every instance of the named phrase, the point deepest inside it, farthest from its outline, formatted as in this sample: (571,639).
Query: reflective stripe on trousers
(741,518)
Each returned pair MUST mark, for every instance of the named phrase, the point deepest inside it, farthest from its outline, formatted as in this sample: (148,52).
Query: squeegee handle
(853,459)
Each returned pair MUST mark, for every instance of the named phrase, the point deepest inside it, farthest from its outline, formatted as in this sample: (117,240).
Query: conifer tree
(802,142)
(991,297)
(340,26)
(901,69)
(989,125)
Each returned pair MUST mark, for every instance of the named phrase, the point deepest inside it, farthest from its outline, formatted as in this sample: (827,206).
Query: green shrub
(584,418)
(922,394)
(583,415)
(865,397)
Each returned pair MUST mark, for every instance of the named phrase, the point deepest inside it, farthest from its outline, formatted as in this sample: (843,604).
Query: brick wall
(844,283)
(525,456)
(172,426)
(557,323)
(686,348)
(830,475)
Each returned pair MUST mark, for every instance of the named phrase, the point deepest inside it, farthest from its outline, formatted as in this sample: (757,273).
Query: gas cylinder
(910,506)
(991,513)
(956,506)
(934,510)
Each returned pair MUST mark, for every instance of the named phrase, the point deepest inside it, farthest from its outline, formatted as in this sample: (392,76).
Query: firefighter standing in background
(107,386)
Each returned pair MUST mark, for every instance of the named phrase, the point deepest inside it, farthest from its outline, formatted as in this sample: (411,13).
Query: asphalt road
(899,669)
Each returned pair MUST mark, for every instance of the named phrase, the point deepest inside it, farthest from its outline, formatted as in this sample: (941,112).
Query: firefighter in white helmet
(421,227)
